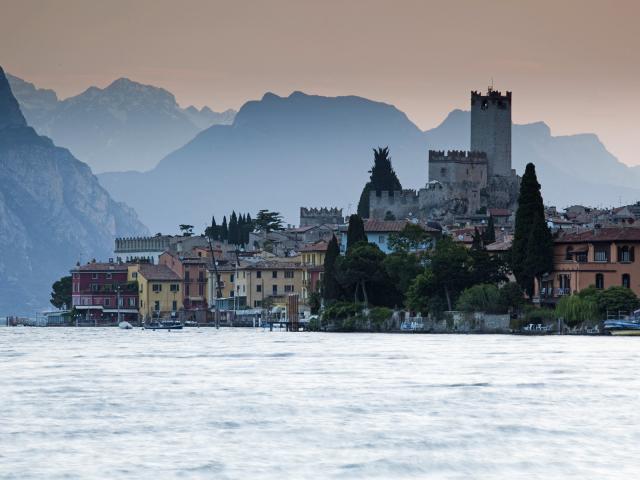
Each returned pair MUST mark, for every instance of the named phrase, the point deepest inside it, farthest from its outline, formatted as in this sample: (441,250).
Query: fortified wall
(320,216)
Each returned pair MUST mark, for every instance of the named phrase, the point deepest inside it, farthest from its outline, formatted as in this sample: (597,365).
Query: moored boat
(163,325)
(125,325)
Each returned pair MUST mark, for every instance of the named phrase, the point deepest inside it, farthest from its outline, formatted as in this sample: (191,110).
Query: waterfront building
(269,281)
(159,290)
(191,268)
(602,257)
(101,291)
(379,232)
(312,267)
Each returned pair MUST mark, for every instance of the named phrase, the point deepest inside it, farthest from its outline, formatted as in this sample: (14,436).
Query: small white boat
(125,325)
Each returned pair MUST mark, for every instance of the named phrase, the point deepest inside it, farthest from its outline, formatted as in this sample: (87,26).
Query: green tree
(574,309)
(330,286)
(314,302)
(617,299)
(511,296)
(403,267)
(532,250)
(477,243)
(355,232)
(487,268)
(61,292)
(489,234)
(483,297)
(382,178)
(267,221)
(412,237)
(224,229)
(233,229)
(360,267)
(451,265)
(212,231)
(187,230)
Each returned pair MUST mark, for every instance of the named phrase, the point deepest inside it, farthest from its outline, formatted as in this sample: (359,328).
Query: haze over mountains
(53,212)
(125,126)
(285,152)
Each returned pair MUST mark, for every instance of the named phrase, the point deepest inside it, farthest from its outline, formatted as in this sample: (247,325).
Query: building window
(581,257)
(274,274)
(274,289)
(601,254)
(94,276)
(599,281)
(201,290)
(625,254)
(288,274)
(186,276)
(257,303)
(258,288)
(157,287)
(174,287)
(134,275)
(569,254)
(132,301)
(156,306)
(201,277)
(626,280)
(187,290)
(107,302)
(288,288)
(231,278)
(232,293)
(95,287)
(258,274)
(381,239)
(174,305)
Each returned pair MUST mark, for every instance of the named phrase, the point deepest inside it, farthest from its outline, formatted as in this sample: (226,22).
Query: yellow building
(225,280)
(269,281)
(158,290)
(312,267)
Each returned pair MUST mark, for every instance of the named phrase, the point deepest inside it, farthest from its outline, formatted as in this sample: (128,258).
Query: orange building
(603,257)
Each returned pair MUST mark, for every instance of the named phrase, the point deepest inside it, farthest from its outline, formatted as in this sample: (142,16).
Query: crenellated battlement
(457,156)
(322,211)
(491,94)
(319,216)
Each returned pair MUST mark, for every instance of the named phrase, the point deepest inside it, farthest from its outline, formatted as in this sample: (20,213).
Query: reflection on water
(236,403)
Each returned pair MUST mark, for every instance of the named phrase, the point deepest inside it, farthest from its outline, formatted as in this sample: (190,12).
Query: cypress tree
(489,235)
(355,233)
(233,228)
(383,178)
(363,203)
(330,286)
(224,230)
(532,249)
(477,240)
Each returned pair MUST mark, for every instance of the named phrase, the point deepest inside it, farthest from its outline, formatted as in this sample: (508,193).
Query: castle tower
(491,129)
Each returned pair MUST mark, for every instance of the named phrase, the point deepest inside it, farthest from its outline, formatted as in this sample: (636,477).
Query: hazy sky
(573,64)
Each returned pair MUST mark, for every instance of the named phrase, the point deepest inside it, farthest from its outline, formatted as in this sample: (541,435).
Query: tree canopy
(355,232)
(330,285)
(61,292)
(382,178)
(532,250)
(267,221)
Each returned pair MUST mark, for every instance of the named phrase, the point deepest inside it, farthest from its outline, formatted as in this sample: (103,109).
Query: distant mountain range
(53,211)
(125,126)
(285,152)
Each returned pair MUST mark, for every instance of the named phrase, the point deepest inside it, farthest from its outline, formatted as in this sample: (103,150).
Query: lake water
(253,404)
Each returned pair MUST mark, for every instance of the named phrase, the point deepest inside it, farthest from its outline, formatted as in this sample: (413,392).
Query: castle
(320,216)
(462,183)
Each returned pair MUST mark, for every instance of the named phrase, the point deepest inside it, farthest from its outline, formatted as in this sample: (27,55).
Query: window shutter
(632,256)
(619,253)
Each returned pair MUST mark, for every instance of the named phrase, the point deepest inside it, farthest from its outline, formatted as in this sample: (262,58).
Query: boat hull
(625,333)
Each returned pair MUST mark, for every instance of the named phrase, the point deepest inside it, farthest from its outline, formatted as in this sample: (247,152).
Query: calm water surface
(250,404)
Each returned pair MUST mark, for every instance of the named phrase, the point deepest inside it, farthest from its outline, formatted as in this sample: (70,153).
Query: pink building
(100,291)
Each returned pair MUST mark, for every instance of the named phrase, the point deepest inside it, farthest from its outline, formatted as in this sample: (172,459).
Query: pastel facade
(159,290)
(312,267)
(273,280)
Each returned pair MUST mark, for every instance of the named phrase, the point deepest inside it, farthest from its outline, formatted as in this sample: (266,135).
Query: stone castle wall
(320,216)
(458,166)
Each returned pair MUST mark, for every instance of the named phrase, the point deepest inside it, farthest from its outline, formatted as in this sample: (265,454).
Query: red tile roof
(320,246)
(499,212)
(157,272)
(610,234)
(101,266)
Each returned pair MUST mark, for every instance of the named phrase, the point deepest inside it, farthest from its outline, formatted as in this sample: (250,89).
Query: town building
(379,233)
(191,268)
(159,290)
(602,257)
(269,281)
(102,291)
(312,267)
(149,249)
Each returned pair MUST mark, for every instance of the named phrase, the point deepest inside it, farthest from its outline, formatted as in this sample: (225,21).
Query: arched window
(599,281)
(569,254)
(626,280)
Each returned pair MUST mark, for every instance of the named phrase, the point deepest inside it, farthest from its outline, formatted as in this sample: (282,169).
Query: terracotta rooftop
(499,212)
(320,246)
(615,234)
(157,272)
(101,266)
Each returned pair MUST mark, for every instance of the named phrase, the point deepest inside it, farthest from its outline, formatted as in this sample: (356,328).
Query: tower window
(485,104)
